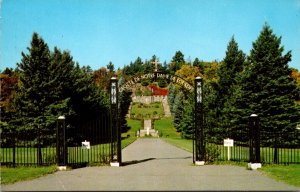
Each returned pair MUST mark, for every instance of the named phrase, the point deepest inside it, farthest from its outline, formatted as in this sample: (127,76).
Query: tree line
(47,84)
(260,83)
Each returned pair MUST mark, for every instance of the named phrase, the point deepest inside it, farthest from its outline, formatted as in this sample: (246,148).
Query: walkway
(151,164)
(166,107)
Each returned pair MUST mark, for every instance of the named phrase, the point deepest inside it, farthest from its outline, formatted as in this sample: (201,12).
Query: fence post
(275,147)
(14,153)
(199,136)
(254,142)
(39,154)
(61,149)
(39,147)
(115,128)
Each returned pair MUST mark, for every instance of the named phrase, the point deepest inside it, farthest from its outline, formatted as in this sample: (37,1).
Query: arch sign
(198,138)
(157,75)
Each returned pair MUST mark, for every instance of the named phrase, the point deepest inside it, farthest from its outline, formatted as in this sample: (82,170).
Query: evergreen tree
(110,67)
(148,67)
(164,67)
(230,70)
(178,57)
(51,85)
(153,59)
(229,74)
(199,64)
(178,109)
(171,97)
(210,108)
(266,87)
(177,62)
(34,95)
(187,122)
(125,100)
(134,68)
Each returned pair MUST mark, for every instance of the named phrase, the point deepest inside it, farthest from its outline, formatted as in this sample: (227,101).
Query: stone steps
(166,107)
(151,132)
(148,130)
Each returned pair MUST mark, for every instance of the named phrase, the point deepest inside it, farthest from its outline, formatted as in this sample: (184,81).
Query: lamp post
(198,134)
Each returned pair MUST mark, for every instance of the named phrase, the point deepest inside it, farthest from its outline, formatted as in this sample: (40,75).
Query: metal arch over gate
(197,89)
(156,76)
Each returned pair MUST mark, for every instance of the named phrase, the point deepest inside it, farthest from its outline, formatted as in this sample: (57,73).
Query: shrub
(147,93)
(212,153)
(50,158)
(145,82)
(162,83)
(138,92)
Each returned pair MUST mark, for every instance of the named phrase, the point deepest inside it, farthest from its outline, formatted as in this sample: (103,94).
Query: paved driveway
(152,164)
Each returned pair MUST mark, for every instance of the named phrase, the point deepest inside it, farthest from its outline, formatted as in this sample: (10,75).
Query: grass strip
(289,174)
(12,175)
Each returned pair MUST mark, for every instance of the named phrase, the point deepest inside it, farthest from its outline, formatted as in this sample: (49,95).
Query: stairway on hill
(148,130)
(166,107)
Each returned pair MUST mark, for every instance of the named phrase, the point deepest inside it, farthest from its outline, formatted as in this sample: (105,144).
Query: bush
(162,83)
(50,158)
(138,92)
(212,153)
(147,93)
(145,82)
(132,115)
(139,116)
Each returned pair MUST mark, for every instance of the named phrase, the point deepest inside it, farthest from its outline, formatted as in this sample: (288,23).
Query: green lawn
(140,110)
(28,155)
(287,173)
(134,125)
(11,175)
(165,128)
(130,136)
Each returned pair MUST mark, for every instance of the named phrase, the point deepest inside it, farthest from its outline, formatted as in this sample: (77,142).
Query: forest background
(48,83)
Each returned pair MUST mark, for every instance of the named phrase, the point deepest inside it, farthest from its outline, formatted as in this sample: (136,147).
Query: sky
(99,31)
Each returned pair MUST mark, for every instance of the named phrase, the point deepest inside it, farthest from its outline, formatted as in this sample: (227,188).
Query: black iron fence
(27,148)
(275,147)
(281,148)
(30,148)
(97,134)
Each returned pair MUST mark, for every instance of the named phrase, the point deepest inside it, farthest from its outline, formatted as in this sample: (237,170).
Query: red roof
(158,91)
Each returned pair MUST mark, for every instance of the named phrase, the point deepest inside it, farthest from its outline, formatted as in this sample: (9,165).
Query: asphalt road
(152,164)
